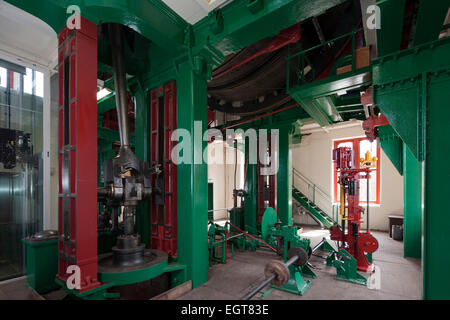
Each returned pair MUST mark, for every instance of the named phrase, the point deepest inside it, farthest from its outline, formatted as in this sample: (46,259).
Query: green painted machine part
(269,219)
(412,190)
(346,269)
(42,264)
(176,272)
(133,276)
(220,244)
(296,283)
(284,238)
(326,247)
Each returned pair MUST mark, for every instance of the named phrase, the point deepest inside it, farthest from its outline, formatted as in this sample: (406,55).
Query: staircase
(309,203)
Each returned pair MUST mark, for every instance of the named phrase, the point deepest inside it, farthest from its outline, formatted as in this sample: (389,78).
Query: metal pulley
(299,252)
(277,273)
(367,243)
(280,270)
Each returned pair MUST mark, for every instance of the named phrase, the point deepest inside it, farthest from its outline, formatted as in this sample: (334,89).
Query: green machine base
(112,276)
(346,270)
(296,283)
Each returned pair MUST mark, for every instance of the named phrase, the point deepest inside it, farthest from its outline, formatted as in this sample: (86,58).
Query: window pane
(39,84)
(3,77)
(28,82)
(348,144)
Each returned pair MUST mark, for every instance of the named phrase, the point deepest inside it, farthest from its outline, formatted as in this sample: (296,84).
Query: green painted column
(412,178)
(436,258)
(142,125)
(284,175)
(251,191)
(192,177)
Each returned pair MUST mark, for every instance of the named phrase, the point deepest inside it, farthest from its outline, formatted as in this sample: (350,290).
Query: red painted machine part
(164,235)
(77,66)
(364,242)
(371,125)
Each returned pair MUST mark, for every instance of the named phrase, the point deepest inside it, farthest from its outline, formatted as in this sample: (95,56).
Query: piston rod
(259,287)
(120,82)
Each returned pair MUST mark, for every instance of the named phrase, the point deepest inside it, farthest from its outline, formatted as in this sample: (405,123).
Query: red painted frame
(356,143)
(164,236)
(78,48)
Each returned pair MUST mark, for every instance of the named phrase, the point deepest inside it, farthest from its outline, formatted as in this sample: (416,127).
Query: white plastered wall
(313,158)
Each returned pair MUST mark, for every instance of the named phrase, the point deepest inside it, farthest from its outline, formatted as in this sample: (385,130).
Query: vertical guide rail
(266,183)
(164,211)
(77,156)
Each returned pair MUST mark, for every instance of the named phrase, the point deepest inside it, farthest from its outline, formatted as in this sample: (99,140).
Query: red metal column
(77,57)
(164,215)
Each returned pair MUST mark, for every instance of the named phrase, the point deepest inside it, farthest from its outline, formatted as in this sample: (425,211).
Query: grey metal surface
(120,83)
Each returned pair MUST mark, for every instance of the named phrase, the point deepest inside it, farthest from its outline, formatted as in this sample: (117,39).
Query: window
(2,77)
(34,83)
(361,146)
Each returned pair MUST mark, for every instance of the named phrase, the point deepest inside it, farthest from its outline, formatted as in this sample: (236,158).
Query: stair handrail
(310,183)
(334,214)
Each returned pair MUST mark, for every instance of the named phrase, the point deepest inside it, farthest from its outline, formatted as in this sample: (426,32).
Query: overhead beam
(430,20)
(389,36)
(244,22)
(151,18)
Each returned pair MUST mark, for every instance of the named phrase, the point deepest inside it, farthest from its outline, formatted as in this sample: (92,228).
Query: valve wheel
(281,272)
(301,253)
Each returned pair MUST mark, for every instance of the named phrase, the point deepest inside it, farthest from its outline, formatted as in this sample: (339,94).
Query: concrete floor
(400,277)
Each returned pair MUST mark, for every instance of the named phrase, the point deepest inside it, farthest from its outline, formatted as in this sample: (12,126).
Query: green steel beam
(244,22)
(412,178)
(316,97)
(332,85)
(284,175)
(389,36)
(251,192)
(404,69)
(314,110)
(106,104)
(193,178)
(392,145)
(411,89)
(430,20)
(436,260)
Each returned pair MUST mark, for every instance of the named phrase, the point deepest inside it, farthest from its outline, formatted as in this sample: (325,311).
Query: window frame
(356,147)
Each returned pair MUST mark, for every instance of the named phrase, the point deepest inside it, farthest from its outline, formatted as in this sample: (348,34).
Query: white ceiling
(26,37)
(194,10)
